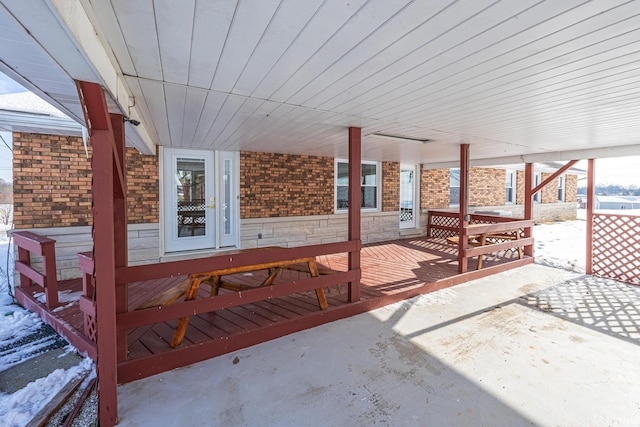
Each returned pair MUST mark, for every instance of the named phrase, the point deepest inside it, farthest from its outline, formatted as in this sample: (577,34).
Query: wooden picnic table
(189,288)
(488,238)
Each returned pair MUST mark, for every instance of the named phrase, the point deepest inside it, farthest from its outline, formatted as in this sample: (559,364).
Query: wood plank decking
(391,271)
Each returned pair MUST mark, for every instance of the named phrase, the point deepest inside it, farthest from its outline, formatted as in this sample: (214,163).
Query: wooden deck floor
(391,271)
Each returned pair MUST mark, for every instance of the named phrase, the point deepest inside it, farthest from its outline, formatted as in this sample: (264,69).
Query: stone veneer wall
(52,183)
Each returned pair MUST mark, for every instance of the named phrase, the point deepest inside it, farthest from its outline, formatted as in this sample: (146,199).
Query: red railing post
(528,203)
(355,146)
(49,267)
(24,256)
(591,195)
(463,212)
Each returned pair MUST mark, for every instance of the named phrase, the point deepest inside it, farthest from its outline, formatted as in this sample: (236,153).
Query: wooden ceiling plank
(174,21)
(213,103)
(370,18)
(331,16)
(175,100)
(474,60)
(210,28)
(288,22)
(529,58)
(154,98)
(248,26)
(138,27)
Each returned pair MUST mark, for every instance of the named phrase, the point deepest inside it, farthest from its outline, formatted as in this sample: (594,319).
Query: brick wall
(390,186)
(52,183)
(487,187)
(434,188)
(274,185)
(571,188)
(143,204)
(549,194)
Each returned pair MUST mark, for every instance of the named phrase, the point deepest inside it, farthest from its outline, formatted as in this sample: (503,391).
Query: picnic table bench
(489,238)
(189,287)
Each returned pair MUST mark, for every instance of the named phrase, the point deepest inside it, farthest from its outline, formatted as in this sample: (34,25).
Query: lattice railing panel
(616,247)
(443,221)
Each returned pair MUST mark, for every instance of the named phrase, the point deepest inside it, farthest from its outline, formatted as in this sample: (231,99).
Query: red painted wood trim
(86,306)
(102,165)
(31,241)
(591,195)
(554,176)
(227,260)
(141,368)
(82,343)
(463,209)
(496,247)
(503,226)
(528,204)
(153,315)
(355,203)
(30,273)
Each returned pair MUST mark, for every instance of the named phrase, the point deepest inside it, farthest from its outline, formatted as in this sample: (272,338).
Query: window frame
(561,188)
(454,203)
(378,185)
(510,173)
(537,179)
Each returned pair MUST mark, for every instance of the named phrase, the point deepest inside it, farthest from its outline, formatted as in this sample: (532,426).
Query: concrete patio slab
(496,351)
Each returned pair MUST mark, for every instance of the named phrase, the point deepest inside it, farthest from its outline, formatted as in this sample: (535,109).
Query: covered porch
(391,272)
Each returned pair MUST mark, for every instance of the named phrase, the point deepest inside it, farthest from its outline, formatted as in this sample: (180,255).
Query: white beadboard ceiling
(552,79)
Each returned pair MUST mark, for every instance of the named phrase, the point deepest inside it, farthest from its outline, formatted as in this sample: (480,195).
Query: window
(561,189)
(454,187)
(369,181)
(511,187)
(537,179)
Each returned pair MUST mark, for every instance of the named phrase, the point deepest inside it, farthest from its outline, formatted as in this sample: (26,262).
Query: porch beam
(463,211)
(591,196)
(355,202)
(102,188)
(528,204)
(85,35)
(120,221)
(554,176)
(555,156)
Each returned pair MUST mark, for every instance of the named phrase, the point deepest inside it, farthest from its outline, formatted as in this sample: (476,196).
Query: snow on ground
(16,325)
(560,245)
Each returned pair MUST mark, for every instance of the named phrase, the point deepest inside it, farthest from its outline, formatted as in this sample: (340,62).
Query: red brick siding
(52,182)
(487,187)
(549,194)
(390,186)
(277,185)
(571,188)
(434,188)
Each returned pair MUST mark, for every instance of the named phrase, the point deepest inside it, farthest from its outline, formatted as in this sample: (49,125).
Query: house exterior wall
(52,183)
(487,186)
(434,188)
(286,200)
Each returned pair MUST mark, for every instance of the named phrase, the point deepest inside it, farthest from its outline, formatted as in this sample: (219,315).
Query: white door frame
(215,165)
(416,198)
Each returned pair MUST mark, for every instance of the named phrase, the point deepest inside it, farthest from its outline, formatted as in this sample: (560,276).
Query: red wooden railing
(29,243)
(443,224)
(134,319)
(616,245)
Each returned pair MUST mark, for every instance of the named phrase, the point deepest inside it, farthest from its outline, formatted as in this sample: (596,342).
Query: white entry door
(408,199)
(201,204)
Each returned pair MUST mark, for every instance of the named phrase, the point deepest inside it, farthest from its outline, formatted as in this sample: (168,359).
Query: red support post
(591,196)
(355,159)
(463,211)
(49,267)
(528,204)
(120,224)
(102,164)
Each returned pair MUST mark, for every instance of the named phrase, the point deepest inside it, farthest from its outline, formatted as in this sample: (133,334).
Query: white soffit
(510,78)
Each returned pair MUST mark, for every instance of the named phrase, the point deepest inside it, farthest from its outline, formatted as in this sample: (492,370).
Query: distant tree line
(613,190)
